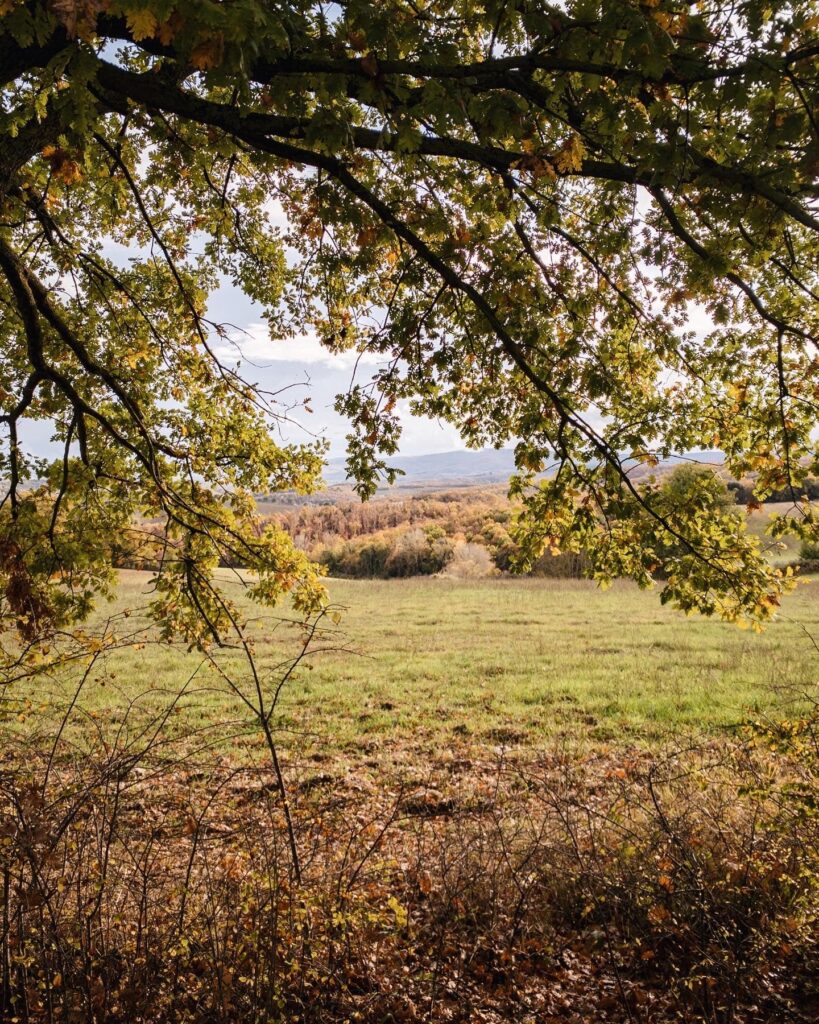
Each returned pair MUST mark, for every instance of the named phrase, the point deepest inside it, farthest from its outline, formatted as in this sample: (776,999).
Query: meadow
(505,800)
(433,664)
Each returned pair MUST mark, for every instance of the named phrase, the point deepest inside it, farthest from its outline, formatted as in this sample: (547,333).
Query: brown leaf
(369,65)
(78,17)
(208,53)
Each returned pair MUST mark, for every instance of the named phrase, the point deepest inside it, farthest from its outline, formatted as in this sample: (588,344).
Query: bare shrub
(470,561)
(142,881)
(566,565)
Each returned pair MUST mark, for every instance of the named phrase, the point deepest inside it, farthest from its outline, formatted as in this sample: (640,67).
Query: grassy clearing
(592,874)
(441,663)
(783,550)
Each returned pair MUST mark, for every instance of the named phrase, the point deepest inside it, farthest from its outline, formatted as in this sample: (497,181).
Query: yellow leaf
(400,911)
(133,357)
(142,24)
(68,172)
(570,156)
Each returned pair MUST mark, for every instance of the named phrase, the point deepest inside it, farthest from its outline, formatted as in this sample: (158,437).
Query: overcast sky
(299,367)
(304,367)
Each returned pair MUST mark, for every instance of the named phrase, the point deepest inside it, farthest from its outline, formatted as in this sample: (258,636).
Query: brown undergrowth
(141,885)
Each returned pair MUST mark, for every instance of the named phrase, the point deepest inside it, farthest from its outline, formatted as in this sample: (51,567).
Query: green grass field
(782,550)
(437,663)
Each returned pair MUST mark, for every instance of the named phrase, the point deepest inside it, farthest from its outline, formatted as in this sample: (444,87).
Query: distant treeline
(463,532)
(420,535)
(743,491)
(468,510)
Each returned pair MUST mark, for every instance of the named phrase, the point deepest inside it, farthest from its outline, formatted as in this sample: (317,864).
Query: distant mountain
(488,466)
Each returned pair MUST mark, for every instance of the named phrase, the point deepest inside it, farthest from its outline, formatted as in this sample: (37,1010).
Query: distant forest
(463,531)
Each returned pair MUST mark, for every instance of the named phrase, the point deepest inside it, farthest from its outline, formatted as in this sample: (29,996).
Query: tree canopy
(518,205)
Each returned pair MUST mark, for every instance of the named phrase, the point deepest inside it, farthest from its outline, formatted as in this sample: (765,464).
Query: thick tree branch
(147,89)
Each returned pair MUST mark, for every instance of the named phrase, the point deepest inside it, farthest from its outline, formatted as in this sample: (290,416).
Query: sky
(300,367)
(296,368)
(303,367)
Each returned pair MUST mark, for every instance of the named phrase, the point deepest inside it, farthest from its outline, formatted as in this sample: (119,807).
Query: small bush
(809,551)
(470,561)
(419,553)
(398,553)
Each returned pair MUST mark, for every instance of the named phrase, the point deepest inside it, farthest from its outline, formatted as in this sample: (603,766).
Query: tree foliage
(516,205)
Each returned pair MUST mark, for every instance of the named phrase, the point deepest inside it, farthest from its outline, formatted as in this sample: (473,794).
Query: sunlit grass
(433,663)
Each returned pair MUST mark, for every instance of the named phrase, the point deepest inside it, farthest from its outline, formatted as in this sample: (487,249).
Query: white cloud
(254,345)
(423,436)
(275,214)
(698,319)
(313,371)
